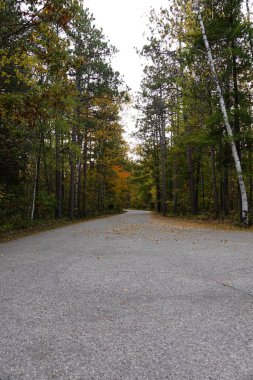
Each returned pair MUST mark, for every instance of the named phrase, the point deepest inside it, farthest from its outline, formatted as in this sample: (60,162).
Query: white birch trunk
(196,9)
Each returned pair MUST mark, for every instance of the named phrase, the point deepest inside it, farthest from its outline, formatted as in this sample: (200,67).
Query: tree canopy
(61,135)
(62,146)
(181,129)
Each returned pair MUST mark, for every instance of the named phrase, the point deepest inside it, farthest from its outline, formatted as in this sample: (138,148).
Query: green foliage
(59,111)
(199,167)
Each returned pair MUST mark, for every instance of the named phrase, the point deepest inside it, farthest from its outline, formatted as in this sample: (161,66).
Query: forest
(195,105)
(62,152)
(62,147)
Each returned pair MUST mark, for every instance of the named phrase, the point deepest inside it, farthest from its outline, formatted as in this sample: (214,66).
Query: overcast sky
(124,22)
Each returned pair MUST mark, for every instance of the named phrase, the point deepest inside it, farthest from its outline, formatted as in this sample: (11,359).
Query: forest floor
(198,222)
(131,296)
(37,226)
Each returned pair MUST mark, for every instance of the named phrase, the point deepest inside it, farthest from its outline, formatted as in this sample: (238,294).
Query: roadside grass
(230,223)
(11,231)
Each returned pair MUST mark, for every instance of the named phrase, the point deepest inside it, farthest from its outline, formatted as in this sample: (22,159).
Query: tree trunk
(175,128)
(156,168)
(236,115)
(191,180)
(196,200)
(243,192)
(47,183)
(158,196)
(58,176)
(163,157)
(236,102)
(214,184)
(175,187)
(202,188)
(85,157)
(72,175)
(78,187)
(34,188)
(41,142)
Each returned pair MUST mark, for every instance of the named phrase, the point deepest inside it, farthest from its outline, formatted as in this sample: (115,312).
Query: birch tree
(197,11)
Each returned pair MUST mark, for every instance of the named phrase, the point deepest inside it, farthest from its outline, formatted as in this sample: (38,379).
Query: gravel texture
(127,297)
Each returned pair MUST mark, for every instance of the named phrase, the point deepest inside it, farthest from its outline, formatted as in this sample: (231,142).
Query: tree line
(62,151)
(195,109)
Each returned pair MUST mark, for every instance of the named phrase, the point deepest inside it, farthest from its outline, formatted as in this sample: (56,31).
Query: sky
(124,23)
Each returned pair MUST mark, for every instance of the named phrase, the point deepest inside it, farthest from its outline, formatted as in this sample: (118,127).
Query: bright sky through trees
(124,22)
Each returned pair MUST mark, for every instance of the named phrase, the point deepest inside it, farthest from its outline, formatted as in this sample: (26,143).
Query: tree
(197,143)
(245,219)
(59,122)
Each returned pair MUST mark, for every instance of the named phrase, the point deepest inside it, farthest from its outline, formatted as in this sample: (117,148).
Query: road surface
(127,297)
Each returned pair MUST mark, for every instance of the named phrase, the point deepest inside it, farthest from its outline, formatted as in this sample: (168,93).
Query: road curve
(127,297)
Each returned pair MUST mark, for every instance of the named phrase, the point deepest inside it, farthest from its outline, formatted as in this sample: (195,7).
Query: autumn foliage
(60,135)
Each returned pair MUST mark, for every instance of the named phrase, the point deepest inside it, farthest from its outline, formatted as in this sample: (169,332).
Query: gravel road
(130,296)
